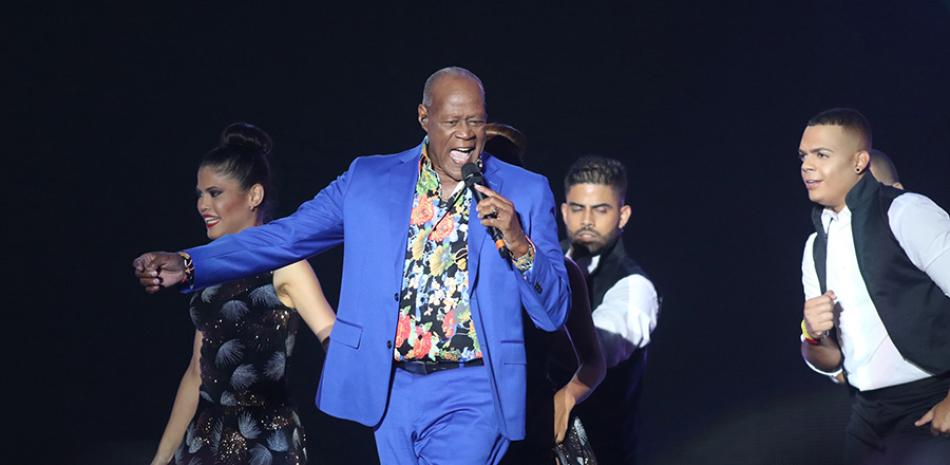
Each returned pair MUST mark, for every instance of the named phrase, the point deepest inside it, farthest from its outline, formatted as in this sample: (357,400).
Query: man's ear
(862,161)
(423,117)
(624,215)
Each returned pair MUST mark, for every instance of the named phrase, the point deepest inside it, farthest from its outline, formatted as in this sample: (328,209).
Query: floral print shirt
(435,320)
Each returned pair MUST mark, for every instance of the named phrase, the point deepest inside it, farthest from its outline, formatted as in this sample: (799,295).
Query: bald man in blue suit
(428,347)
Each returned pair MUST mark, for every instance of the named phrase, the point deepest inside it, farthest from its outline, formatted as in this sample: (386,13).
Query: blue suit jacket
(367,209)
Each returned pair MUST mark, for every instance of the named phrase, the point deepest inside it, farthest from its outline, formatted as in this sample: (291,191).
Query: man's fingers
(819,307)
(831,294)
(492,195)
(146,273)
(484,190)
(490,207)
(489,221)
(142,261)
(925,419)
(486,207)
(822,301)
(819,319)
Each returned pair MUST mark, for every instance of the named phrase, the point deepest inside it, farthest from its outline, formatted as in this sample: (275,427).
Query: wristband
(807,337)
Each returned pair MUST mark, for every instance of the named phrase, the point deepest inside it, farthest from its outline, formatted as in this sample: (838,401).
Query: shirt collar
(828,215)
(594,260)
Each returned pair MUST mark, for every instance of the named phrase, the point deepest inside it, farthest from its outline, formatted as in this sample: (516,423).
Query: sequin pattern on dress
(244,415)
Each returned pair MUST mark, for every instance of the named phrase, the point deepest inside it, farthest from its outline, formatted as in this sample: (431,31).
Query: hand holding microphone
(497,214)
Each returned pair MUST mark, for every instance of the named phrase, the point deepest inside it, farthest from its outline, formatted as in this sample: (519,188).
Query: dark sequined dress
(244,415)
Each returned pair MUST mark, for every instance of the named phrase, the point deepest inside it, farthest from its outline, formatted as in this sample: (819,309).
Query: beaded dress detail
(245,415)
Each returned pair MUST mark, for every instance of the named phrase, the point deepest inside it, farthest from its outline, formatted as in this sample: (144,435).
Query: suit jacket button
(537,287)
(396,296)
(389,344)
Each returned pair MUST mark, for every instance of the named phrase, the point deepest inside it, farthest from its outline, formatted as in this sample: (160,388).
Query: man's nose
(588,218)
(466,131)
(807,165)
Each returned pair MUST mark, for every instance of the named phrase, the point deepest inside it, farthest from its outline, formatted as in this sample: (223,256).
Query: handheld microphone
(472,175)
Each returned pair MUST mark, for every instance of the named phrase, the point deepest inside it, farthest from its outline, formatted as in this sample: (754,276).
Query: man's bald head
(452,114)
(451,71)
(883,169)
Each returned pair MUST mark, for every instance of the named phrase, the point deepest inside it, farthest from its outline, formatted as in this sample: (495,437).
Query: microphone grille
(470,170)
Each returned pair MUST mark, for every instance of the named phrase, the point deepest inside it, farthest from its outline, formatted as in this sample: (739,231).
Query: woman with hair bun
(233,404)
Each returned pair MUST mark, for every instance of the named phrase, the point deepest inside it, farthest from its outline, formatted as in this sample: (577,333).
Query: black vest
(914,310)
(610,413)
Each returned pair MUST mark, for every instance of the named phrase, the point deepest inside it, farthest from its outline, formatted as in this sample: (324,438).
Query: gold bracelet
(189,268)
(524,262)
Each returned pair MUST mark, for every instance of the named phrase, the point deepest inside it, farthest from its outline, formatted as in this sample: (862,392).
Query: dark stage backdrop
(705,102)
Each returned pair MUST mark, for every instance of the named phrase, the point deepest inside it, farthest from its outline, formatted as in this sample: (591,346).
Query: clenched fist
(819,314)
(156,270)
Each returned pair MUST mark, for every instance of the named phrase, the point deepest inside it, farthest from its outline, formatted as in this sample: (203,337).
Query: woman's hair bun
(244,136)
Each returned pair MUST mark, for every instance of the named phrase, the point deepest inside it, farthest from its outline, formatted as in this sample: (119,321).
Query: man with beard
(624,302)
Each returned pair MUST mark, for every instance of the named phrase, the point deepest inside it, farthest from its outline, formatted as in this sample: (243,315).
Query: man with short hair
(428,345)
(624,301)
(883,169)
(876,276)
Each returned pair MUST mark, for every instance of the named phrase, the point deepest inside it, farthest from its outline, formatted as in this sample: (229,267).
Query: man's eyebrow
(577,204)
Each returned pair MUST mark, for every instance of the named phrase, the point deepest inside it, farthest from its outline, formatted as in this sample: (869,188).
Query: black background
(113,105)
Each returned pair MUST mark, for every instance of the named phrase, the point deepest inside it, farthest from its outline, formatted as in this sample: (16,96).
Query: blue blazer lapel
(400,182)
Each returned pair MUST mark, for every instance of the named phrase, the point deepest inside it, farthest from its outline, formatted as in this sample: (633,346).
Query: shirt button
(389,344)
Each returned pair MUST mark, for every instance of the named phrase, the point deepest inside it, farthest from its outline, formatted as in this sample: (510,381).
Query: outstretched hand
(156,270)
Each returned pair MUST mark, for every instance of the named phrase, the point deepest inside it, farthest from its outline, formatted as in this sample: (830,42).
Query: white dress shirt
(923,231)
(626,317)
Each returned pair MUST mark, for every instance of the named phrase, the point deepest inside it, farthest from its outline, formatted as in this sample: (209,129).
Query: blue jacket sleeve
(545,293)
(315,227)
